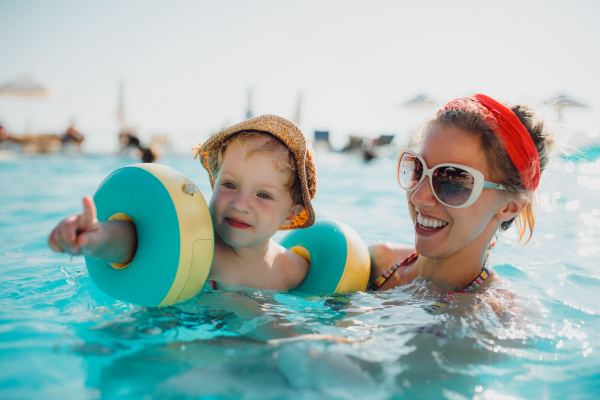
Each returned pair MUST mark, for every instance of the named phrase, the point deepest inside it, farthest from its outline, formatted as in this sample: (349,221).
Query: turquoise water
(61,338)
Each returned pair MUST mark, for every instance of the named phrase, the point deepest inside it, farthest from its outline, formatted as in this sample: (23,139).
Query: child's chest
(257,276)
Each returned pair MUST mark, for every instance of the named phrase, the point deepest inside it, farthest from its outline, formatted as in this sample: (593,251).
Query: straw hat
(293,138)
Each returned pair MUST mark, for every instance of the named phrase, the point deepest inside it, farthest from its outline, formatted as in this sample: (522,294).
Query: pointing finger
(89,212)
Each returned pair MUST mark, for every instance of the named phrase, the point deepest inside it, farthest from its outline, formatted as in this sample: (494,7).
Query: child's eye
(229,185)
(263,195)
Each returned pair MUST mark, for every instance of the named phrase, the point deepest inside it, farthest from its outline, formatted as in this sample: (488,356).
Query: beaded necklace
(448,297)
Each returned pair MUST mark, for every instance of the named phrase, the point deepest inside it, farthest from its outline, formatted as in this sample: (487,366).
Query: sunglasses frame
(479,181)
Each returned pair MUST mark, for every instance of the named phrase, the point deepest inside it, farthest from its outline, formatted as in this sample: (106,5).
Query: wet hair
(267,144)
(470,118)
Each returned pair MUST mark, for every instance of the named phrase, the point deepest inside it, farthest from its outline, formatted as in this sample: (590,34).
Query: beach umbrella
(420,102)
(297,114)
(418,107)
(249,112)
(121,106)
(26,88)
(563,101)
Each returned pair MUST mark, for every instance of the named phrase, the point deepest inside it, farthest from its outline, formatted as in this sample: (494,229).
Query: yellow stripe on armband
(120,217)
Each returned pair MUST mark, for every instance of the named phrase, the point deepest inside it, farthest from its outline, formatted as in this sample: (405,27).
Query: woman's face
(453,230)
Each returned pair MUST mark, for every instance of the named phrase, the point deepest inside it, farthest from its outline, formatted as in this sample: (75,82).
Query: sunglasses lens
(453,185)
(410,171)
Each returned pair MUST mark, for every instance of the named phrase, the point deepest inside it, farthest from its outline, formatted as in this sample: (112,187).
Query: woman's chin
(428,248)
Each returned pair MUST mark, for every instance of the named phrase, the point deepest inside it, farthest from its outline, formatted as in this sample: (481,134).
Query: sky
(188,66)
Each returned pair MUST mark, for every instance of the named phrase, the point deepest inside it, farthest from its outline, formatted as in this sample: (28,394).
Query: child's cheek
(269,212)
(217,203)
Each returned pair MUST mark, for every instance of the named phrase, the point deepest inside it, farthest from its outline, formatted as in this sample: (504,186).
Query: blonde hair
(267,144)
(472,119)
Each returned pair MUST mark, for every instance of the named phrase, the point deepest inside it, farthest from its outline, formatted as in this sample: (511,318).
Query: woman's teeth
(430,223)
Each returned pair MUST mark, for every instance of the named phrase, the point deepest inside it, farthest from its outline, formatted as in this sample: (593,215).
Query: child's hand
(78,233)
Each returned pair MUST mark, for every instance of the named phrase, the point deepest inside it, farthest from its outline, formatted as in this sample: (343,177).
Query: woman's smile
(428,226)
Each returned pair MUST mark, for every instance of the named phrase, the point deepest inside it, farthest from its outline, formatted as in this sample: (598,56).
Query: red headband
(512,133)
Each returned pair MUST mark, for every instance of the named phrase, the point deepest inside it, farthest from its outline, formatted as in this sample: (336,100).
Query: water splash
(70,280)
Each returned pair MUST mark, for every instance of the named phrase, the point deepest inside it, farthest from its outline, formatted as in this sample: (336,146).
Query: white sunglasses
(454,185)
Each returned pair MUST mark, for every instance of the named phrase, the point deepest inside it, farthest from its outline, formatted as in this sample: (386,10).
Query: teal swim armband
(339,259)
(174,231)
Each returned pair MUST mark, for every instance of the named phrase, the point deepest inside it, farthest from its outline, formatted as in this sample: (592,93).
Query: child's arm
(110,241)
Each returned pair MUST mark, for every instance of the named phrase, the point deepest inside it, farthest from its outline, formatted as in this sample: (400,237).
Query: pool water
(61,338)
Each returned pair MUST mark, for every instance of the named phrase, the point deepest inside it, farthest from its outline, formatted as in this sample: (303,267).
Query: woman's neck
(460,268)
(460,272)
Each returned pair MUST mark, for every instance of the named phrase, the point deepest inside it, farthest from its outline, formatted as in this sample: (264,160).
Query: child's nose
(241,202)
(423,196)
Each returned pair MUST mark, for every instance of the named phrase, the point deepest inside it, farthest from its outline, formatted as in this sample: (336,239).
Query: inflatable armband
(175,236)
(339,259)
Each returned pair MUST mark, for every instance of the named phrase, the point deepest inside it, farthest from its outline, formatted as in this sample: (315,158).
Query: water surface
(60,337)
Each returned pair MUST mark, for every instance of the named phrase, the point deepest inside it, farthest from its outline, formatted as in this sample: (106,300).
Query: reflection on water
(534,335)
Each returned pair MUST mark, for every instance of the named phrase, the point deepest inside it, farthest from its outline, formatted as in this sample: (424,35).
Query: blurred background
(352,75)
(97,85)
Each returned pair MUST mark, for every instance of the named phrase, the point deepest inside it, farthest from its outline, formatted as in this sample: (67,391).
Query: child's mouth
(236,223)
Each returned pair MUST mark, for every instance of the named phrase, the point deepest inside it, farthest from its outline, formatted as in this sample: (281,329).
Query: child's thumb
(89,212)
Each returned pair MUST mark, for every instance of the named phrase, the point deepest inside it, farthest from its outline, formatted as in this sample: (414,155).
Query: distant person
(128,139)
(367,150)
(72,137)
(148,155)
(6,137)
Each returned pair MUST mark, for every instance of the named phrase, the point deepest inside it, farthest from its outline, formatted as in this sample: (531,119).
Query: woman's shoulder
(385,254)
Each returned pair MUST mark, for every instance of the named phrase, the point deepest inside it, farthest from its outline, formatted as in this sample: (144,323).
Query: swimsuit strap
(376,284)
(449,296)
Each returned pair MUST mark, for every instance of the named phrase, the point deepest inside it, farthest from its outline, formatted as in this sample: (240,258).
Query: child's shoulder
(289,268)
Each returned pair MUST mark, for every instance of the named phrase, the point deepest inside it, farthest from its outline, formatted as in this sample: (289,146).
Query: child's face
(250,201)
